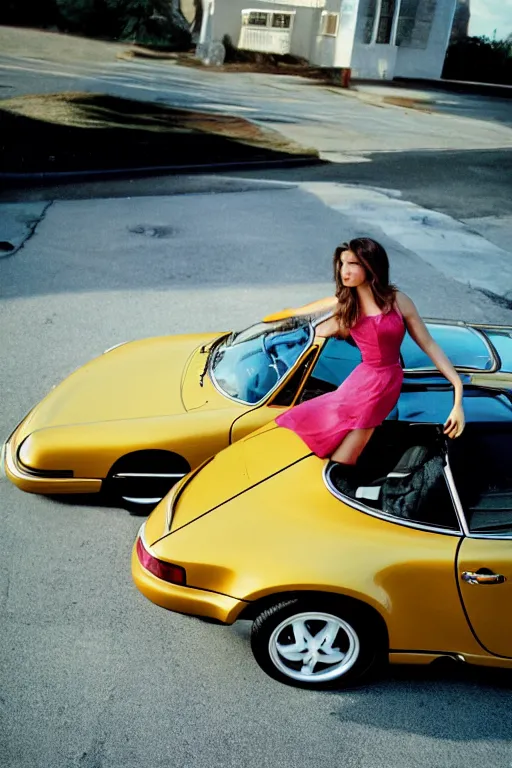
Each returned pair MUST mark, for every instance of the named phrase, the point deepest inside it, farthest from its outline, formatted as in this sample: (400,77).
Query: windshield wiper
(208,349)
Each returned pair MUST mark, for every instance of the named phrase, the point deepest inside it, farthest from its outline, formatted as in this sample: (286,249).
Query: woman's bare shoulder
(404,303)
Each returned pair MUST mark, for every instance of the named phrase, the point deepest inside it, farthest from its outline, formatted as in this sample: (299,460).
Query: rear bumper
(22,477)
(189,600)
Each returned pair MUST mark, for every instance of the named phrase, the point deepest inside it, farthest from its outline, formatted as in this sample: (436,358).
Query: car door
(482,466)
(412,561)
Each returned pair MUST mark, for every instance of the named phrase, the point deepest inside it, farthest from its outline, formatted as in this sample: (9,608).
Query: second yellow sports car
(411,561)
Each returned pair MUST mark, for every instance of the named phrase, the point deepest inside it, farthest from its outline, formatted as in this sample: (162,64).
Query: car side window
(482,467)
(337,360)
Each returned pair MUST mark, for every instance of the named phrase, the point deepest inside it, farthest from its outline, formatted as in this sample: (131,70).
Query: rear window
(502,342)
(465,347)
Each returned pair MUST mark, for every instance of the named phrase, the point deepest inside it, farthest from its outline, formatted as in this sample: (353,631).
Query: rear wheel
(140,480)
(315,643)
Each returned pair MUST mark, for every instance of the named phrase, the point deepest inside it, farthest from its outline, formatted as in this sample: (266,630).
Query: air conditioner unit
(329,23)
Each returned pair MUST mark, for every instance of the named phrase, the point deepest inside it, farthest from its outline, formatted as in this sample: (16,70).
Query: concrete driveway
(92,674)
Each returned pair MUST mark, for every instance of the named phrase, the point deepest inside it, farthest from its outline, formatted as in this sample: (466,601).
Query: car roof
(424,403)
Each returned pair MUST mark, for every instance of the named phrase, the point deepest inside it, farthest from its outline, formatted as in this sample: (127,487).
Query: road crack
(32,225)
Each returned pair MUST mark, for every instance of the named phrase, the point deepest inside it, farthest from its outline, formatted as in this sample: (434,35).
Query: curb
(97,173)
(459,86)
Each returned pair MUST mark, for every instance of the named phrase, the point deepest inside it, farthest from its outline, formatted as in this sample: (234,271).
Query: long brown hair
(374,259)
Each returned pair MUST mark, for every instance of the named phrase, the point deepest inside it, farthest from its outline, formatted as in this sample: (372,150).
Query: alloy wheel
(314,647)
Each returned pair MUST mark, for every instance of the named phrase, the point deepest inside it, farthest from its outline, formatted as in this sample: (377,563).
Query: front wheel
(314,644)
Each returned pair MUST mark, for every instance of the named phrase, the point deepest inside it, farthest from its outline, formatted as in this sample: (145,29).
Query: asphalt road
(92,674)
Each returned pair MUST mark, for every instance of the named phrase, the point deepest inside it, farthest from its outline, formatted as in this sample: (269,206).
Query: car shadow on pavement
(101,500)
(444,700)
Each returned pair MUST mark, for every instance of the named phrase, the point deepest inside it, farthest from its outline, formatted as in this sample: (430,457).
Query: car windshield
(248,365)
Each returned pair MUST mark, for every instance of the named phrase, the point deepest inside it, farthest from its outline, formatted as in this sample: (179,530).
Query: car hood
(140,379)
(231,472)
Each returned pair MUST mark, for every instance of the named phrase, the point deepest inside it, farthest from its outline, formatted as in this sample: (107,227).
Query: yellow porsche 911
(135,420)
(411,561)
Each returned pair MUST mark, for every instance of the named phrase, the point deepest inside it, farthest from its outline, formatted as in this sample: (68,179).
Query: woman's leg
(352,445)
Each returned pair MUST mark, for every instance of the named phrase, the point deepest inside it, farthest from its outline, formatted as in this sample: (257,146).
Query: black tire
(359,645)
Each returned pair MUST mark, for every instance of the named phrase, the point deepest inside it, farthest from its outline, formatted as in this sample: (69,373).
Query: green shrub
(479,59)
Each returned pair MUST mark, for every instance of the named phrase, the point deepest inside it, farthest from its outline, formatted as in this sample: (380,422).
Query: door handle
(482,578)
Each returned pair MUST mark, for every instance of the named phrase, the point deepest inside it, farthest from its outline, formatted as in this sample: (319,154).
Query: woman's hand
(454,424)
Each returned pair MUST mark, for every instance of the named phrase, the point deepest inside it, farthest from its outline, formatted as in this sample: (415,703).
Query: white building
(374,38)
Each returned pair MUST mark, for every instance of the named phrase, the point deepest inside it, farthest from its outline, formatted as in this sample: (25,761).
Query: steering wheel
(275,362)
(264,377)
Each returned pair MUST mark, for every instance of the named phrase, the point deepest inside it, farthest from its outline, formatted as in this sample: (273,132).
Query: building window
(367,21)
(281,20)
(387,12)
(329,23)
(415,22)
(257,19)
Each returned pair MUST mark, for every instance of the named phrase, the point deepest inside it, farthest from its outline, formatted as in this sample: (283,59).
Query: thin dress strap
(400,315)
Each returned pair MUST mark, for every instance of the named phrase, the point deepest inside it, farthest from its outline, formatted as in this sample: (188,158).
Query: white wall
(374,61)
(371,60)
(323,47)
(307,22)
(428,62)
(346,35)
(227,19)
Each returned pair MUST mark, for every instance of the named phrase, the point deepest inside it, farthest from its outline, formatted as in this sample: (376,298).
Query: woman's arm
(419,333)
(321,305)
(327,328)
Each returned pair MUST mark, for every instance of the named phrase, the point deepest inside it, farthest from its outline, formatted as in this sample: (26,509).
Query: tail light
(175,574)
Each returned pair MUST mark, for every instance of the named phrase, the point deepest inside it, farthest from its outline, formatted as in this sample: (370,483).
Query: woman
(371,310)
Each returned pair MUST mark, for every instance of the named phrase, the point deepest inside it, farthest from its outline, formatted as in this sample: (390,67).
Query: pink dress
(366,396)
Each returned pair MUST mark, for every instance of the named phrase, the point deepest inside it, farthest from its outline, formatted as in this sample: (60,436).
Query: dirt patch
(81,131)
(408,103)
(260,63)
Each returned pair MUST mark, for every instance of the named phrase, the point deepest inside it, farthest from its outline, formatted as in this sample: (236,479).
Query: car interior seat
(411,460)
(412,490)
